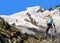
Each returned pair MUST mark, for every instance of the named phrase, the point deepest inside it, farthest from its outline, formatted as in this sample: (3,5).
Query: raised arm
(45,17)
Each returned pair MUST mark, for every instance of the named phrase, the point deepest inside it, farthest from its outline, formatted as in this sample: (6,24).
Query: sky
(8,7)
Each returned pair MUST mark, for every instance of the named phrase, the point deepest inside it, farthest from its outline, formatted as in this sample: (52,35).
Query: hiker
(50,23)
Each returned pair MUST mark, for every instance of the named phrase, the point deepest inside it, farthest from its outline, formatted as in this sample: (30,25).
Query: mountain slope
(29,25)
(10,34)
(32,18)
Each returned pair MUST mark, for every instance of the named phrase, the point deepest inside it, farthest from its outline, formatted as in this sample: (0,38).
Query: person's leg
(47,31)
(51,32)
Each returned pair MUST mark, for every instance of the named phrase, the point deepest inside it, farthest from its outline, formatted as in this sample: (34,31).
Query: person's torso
(49,21)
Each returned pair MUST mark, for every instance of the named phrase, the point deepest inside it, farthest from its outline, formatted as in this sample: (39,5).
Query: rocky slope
(28,26)
(32,18)
(10,34)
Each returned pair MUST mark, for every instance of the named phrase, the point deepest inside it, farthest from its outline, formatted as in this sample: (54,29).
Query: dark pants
(48,27)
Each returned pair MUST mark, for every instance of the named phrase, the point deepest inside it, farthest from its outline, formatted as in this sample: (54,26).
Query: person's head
(49,15)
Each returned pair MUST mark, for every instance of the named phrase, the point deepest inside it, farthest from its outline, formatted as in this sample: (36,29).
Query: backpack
(49,21)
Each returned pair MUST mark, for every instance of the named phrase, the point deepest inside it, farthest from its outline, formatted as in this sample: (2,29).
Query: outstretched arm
(45,17)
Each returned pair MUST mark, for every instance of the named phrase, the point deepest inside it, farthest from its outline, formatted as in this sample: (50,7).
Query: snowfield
(32,18)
